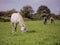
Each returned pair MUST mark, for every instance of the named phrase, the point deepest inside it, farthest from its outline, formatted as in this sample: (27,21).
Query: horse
(45,20)
(51,19)
(16,18)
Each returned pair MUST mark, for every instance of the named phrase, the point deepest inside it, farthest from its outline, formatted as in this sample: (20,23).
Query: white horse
(15,19)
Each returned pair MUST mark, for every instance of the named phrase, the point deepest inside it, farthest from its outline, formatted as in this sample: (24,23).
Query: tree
(43,9)
(8,13)
(5,15)
(27,11)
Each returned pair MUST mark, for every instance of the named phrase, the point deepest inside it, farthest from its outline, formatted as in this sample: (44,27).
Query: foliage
(27,11)
(43,9)
(5,15)
(57,17)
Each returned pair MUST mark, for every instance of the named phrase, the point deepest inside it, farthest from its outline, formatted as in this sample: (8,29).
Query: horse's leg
(12,27)
(15,27)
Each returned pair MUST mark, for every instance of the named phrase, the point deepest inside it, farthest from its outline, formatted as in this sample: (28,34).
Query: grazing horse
(16,18)
(45,20)
(51,19)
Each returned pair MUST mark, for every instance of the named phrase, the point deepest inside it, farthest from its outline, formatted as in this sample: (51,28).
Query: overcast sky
(53,5)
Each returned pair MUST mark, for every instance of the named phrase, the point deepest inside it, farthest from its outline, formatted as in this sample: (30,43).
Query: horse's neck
(21,21)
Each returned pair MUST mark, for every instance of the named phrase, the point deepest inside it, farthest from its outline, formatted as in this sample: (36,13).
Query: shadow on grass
(57,43)
(32,31)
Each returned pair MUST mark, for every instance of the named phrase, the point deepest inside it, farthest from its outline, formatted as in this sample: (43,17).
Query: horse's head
(23,28)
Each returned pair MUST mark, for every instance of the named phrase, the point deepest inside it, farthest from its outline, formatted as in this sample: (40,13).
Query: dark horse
(51,19)
(45,19)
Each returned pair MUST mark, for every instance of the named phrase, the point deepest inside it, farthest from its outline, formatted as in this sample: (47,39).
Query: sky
(53,5)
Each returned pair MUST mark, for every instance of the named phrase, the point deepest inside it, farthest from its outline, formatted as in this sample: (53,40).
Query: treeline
(28,13)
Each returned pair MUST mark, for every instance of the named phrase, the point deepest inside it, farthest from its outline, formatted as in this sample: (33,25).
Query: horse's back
(15,17)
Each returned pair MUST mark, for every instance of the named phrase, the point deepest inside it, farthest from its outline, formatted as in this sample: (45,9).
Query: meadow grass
(37,34)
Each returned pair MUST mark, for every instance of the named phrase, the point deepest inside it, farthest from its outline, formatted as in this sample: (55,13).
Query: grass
(37,34)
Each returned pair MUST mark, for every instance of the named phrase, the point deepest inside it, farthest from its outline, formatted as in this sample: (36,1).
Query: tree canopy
(26,11)
(43,9)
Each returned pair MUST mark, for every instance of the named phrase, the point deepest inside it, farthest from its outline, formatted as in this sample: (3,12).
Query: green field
(37,34)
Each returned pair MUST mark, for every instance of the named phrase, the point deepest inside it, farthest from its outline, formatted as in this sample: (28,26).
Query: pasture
(37,34)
